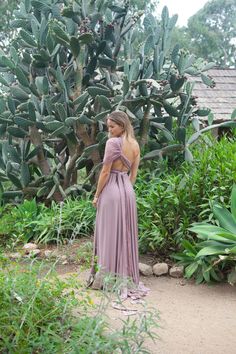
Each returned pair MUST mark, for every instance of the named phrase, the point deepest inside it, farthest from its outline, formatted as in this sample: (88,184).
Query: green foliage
(64,222)
(58,223)
(52,61)
(16,222)
(205,36)
(70,66)
(85,254)
(50,315)
(6,10)
(168,199)
(36,314)
(169,202)
(215,255)
(207,30)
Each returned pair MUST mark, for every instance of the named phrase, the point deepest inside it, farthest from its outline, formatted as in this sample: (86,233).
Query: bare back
(130,149)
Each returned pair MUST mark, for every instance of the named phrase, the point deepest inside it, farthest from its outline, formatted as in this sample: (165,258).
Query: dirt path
(194,319)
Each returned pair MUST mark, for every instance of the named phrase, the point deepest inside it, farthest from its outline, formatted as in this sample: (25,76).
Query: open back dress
(116,231)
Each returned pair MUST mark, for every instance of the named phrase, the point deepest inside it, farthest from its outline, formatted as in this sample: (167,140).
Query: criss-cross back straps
(113,151)
(124,159)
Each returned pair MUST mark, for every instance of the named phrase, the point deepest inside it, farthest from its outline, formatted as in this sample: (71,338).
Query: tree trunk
(145,126)
(36,140)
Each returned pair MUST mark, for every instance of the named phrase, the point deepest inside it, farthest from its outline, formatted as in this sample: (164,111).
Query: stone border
(159,269)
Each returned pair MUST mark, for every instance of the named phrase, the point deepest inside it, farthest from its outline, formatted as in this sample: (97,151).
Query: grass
(42,313)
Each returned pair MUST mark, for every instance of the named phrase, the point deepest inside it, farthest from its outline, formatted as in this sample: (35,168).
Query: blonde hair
(121,119)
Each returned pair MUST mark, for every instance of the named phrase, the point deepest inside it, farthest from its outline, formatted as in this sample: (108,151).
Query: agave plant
(217,251)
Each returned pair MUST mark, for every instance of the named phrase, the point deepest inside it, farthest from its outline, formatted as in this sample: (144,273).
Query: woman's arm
(103,177)
(134,169)
(110,152)
(102,180)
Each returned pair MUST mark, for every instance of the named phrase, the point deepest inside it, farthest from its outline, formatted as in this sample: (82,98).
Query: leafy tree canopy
(213,32)
(6,9)
(6,15)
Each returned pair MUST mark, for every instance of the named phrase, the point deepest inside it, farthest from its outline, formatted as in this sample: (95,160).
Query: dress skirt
(116,232)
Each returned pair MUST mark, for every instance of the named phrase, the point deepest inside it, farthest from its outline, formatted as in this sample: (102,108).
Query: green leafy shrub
(65,221)
(16,221)
(36,313)
(215,255)
(169,202)
(51,315)
(60,222)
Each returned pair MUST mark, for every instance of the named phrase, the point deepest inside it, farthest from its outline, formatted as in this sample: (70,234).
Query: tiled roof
(222,98)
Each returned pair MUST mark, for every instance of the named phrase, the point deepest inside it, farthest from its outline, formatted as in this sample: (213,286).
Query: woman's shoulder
(113,141)
(116,138)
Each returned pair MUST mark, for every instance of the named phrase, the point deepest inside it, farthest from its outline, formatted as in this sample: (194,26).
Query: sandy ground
(194,319)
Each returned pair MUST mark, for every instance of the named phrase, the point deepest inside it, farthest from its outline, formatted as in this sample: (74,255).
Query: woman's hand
(95,202)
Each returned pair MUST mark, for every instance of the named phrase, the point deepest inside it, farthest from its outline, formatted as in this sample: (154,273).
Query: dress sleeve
(112,151)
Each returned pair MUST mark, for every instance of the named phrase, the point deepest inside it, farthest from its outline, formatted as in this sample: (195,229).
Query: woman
(116,233)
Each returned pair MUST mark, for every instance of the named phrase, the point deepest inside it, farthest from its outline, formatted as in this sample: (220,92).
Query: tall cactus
(58,82)
(157,91)
(72,63)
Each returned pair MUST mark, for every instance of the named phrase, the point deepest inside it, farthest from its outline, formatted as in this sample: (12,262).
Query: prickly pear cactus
(58,86)
(71,64)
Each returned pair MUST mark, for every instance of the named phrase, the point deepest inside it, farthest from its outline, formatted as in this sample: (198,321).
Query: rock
(15,255)
(29,247)
(183,282)
(176,271)
(63,257)
(160,269)
(145,269)
(34,253)
(65,262)
(48,253)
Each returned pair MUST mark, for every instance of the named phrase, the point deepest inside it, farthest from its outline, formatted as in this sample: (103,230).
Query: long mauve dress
(116,231)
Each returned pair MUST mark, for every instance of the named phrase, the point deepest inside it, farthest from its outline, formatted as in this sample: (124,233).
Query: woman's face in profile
(114,129)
